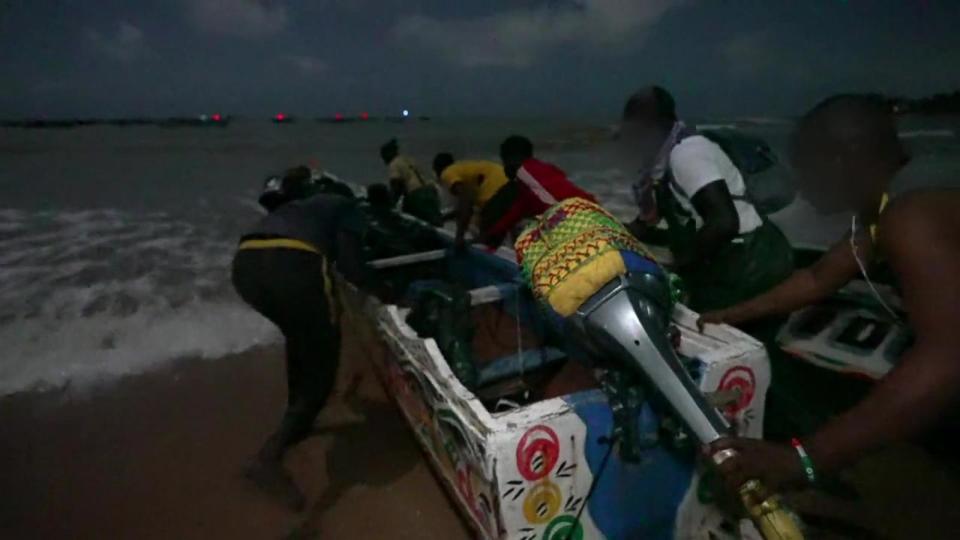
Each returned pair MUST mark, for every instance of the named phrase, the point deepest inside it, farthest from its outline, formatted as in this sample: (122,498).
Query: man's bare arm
(466,194)
(924,253)
(720,221)
(804,287)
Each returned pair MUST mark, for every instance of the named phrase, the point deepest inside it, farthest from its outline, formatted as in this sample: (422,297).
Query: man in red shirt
(539,186)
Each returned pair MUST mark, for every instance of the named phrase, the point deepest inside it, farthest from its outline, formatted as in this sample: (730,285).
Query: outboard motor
(589,269)
(628,321)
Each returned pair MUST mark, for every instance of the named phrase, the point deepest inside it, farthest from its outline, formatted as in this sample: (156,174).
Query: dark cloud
(518,37)
(497,57)
(126,44)
(307,65)
(242,18)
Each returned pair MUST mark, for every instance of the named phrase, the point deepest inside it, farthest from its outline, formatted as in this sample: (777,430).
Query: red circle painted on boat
(537,452)
(741,378)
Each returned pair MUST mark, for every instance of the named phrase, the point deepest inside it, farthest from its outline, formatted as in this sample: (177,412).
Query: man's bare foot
(272,479)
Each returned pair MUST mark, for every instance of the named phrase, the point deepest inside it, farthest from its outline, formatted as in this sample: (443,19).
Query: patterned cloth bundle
(573,250)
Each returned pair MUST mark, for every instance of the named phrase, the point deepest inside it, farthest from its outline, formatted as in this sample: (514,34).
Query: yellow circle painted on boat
(542,502)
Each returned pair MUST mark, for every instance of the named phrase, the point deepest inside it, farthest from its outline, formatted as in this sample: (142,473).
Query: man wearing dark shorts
(283,270)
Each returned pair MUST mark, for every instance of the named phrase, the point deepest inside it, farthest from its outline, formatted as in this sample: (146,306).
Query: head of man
(514,150)
(845,151)
(389,151)
(441,161)
(296,182)
(279,190)
(648,117)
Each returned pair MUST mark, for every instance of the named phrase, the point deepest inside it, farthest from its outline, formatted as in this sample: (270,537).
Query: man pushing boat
(850,158)
(724,247)
(539,184)
(282,269)
(474,184)
(417,191)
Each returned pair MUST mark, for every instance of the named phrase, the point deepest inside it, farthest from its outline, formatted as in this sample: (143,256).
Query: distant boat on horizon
(204,120)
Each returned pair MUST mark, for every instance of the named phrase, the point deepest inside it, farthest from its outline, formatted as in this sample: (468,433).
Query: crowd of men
(737,265)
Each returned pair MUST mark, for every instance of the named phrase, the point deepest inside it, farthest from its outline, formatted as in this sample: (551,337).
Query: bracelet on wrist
(808,470)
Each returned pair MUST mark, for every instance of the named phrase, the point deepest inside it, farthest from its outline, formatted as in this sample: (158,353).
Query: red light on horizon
(338,116)
(216,117)
(280,117)
(364,116)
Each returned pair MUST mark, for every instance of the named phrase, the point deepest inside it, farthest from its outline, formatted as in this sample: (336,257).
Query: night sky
(571,58)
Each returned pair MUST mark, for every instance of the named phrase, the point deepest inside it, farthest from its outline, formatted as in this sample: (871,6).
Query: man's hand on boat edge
(776,465)
(720,316)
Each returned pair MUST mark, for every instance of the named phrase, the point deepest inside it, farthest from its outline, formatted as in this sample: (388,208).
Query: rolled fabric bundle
(575,248)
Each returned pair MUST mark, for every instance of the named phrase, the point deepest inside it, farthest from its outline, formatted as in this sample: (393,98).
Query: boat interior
(515,354)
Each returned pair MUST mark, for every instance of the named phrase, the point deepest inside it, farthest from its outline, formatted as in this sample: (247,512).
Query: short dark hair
(516,146)
(441,161)
(651,102)
(296,182)
(298,174)
(389,148)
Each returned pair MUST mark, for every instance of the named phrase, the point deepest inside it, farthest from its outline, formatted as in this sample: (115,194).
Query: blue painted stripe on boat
(631,500)
(634,262)
(511,365)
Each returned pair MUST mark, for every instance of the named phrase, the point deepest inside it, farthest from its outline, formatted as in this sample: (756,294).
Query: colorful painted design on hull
(526,474)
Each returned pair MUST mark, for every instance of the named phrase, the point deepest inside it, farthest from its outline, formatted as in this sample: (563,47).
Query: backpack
(767,185)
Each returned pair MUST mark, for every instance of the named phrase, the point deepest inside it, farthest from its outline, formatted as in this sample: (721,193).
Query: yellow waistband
(278,243)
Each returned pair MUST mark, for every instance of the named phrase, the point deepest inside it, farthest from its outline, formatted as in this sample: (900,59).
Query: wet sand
(160,456)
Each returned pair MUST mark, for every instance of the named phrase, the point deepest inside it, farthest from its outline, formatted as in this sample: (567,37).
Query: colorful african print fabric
(575,248)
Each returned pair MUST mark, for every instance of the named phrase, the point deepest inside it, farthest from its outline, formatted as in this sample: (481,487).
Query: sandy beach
(160,456)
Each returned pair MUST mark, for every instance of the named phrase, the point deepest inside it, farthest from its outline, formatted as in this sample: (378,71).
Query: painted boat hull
(526,473)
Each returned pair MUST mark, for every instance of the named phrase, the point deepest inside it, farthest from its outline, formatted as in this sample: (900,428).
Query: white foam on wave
(45,354)
(92,295)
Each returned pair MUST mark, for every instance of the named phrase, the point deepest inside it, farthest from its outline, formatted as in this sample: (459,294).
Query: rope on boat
(612,441)
(519,336)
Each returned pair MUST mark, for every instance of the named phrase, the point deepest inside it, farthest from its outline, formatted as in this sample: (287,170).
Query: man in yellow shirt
(472,182)
(419,192)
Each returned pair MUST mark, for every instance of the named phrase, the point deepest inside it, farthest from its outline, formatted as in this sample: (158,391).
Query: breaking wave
(95,294)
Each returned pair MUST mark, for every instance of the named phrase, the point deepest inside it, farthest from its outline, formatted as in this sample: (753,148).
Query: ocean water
(115,243)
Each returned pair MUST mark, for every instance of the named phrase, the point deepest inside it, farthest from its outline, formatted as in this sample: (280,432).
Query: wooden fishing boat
(523,443)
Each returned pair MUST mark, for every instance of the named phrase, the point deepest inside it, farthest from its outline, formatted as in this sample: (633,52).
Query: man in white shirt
(724,249)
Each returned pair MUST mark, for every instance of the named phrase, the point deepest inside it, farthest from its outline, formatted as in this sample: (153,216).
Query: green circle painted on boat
(564,528)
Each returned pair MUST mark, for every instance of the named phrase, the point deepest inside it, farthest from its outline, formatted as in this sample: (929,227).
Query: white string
(863,269)
(519,336)
(526,391)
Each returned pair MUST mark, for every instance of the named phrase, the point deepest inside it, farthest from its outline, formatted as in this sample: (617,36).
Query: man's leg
(295,299)
(314,358)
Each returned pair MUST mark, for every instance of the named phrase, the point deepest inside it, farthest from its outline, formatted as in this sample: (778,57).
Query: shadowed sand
(161,456)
